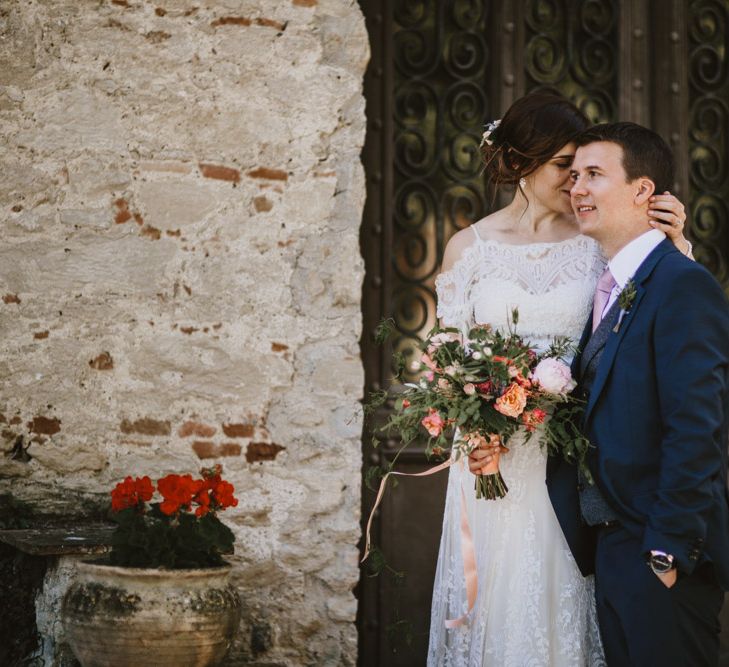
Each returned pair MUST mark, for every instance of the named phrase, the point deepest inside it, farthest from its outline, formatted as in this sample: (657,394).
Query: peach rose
(512,402)
(433,423)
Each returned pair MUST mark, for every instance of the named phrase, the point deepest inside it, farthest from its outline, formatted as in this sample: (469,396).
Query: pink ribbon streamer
(468,551)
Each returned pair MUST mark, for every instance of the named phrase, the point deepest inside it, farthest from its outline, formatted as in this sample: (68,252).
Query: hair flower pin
(625,301)
(490,127)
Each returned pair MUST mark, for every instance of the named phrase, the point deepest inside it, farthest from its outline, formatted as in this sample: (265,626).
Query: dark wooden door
(439,70)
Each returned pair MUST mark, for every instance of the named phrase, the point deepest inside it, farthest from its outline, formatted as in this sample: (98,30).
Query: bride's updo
(534,128)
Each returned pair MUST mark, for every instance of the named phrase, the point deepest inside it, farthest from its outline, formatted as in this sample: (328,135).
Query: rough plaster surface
(180,276)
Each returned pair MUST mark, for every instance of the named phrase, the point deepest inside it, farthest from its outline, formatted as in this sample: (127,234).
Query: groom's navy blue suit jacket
(658,415)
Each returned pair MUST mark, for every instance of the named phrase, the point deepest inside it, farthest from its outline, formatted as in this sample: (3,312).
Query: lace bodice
(552,284)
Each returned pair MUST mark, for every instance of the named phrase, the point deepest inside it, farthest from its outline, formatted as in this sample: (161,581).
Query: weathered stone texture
(181,194)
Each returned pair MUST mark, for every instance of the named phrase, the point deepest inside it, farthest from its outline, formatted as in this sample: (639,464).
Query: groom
(654,369)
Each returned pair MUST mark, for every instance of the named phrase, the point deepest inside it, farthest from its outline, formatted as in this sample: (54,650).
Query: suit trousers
(642,622)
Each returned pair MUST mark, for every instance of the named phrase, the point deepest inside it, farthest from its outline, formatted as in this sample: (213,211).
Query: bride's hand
(667,214)
(481,457)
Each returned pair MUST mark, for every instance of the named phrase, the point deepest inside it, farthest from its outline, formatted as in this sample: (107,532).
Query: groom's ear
(645,189)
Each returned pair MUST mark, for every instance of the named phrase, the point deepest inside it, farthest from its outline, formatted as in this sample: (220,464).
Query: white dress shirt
(628,259)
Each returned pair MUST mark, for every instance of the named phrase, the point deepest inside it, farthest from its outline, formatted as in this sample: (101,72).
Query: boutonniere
(625,301)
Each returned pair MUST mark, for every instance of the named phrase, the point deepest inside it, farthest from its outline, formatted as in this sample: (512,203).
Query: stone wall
(180,276)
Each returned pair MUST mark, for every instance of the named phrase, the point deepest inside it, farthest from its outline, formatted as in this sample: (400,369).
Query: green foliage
(384,330)
(173,542)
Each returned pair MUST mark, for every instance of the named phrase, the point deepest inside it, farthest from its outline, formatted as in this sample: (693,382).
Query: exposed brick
(279,347)
(196,428)
(160,12)
(138,219)
(7,434)
(103,362)
(17,208)
(15,420)
(173,232)
(238,430)
(121,3)
(231,20)
(45,425)
(145,426)
(269,174)
(305,3)
(270,23)
(151,232)
(262,451)
(230,449)
(219,172)
(123,213)
(11,298)
(205,449)
(40,335)
(3,419)
(157,36)
(188,330)
(263,204)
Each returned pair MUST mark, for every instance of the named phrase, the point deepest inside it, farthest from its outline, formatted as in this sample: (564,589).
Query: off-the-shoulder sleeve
(451,287)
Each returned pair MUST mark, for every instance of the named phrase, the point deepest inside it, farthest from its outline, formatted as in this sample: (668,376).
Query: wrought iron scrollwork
(442,62)
(709,123)
(572,47)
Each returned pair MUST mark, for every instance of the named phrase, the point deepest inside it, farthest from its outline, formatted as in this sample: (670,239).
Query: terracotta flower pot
(124,616)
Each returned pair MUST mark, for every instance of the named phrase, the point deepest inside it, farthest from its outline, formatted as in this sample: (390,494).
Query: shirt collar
(627,261)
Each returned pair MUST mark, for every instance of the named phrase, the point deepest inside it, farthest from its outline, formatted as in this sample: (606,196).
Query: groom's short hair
(645,153)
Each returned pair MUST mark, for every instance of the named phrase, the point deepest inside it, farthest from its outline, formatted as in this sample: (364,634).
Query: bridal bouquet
(483,390)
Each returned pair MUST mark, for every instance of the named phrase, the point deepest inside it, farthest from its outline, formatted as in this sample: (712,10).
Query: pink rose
(441,338)
(427,361)
(443,384)
(554,376)
(433,423)
(469,389)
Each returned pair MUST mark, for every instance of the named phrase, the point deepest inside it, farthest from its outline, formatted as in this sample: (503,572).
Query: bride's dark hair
(534,128)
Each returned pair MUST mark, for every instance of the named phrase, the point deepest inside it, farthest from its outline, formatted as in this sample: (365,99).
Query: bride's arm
(450,285)
(669,216)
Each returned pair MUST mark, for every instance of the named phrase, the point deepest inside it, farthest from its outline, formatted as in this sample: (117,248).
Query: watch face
(661,563)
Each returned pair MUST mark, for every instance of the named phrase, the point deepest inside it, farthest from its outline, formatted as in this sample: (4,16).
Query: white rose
(476,356)
(487,351)
(554,376)
(469,389)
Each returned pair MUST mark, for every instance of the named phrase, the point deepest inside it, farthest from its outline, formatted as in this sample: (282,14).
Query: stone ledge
(60,541)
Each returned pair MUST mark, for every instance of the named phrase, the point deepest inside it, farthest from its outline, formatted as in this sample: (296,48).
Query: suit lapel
(613,342)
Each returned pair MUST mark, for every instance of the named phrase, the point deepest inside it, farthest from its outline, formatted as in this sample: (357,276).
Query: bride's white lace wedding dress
(534,608)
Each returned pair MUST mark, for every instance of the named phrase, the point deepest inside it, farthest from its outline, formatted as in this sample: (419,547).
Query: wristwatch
(660,562)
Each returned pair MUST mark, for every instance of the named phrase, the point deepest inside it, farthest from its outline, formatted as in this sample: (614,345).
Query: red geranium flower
(131,493)
(178,492)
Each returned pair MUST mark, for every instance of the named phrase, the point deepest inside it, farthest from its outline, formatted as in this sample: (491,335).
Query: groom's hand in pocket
(668,579)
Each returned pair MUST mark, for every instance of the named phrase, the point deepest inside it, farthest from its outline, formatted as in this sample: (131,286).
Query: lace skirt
(534,608)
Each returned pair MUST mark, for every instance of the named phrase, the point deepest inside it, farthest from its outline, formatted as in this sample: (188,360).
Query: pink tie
(602,295)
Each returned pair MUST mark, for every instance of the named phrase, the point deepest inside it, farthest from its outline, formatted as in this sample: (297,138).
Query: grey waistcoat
(595,509)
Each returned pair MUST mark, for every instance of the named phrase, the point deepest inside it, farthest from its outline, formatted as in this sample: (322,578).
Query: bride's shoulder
(482,230)
(456,247)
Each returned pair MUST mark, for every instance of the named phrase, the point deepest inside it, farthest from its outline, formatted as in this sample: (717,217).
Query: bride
(533,606)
